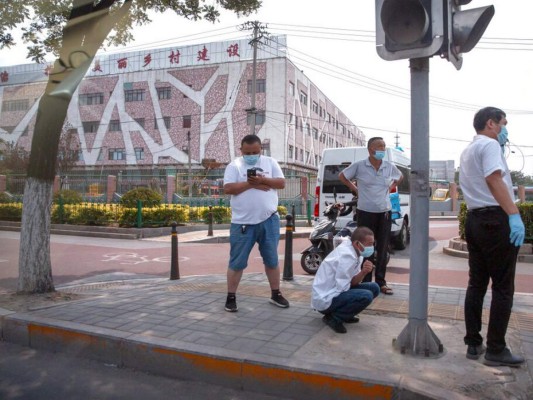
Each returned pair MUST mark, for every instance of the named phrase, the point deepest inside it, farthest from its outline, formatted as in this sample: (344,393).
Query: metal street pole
(417,337)
(253,111)
(189,154)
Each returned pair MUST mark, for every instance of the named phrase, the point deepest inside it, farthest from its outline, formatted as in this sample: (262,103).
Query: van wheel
(310,262)
(401,241)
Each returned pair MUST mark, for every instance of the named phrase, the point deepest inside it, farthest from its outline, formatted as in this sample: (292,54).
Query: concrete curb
(220,367)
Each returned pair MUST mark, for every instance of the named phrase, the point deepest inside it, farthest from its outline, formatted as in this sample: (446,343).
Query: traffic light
(463,29)
(409,28)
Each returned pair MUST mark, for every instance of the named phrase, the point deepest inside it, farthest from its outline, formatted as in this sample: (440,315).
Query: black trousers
(491,256)
(380,224)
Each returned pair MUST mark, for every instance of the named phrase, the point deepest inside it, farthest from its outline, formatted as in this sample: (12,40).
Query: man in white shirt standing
(252,181)
(494,233)
(338,291)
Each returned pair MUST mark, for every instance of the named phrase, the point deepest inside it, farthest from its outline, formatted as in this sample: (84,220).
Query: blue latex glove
(518,231)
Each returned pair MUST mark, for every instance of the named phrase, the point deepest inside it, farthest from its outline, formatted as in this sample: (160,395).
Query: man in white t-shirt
(494,232)
(338,290)
(252,181)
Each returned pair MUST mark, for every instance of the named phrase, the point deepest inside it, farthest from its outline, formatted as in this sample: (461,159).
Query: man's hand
(367,267)
(258,182)
(518,231)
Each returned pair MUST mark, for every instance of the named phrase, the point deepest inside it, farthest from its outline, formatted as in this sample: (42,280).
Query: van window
(404,186)
(331,179)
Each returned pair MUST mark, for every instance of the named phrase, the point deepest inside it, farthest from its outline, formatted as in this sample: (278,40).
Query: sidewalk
(180,329)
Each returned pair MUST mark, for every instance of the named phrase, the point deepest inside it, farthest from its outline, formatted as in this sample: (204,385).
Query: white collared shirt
(481,158)
(335,275)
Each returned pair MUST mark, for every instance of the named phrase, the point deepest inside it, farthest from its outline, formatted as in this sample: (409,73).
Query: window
(306,157)
(265,147)
(89,99)
(290,117)
(140,121)
(295,122)
(315,107)
(15,105)
(259,118)
(315,133)
(186,121)
(301,154)
(329,117)
(116,154)
(291,88)
(321,111)
(100,155)
(90,126)
(163,93)
(308,129)
(139,153)
(303,98)
(291,152)
(114,126)
(134,95)
(260,86)
(316,160)
(166,121)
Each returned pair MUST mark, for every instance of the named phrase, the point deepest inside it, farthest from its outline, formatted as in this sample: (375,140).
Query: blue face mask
(379,155)
(502,136)
(251,160)
(368,251)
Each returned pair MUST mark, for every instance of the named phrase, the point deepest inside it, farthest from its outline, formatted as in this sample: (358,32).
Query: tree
(519,178)
(68,153)
(14,159)
(73,30)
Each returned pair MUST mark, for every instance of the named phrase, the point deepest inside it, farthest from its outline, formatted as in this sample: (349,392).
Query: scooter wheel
(310,262)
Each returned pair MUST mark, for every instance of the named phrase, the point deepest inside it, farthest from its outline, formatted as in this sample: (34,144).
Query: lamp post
(189,154)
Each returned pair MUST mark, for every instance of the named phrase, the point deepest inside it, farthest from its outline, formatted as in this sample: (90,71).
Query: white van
(334,161)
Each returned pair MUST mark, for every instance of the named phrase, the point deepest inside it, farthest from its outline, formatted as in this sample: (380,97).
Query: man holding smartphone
(252,181)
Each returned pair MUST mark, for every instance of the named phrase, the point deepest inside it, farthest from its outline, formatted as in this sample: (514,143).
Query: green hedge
(526,213)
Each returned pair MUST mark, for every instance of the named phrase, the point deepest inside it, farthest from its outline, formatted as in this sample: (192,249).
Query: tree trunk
(35,268)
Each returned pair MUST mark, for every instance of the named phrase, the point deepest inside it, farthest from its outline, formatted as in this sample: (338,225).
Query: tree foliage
(42,22)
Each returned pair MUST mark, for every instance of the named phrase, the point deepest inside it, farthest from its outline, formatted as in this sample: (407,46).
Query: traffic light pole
(417,338)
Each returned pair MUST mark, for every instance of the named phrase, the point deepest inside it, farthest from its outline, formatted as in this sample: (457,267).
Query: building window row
(164,93)
(260,86)
(117,154)
(134,95)
(15,105)
(259,118)
(89,99)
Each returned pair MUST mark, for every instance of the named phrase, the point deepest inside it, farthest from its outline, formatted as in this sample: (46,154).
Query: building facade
(183,106)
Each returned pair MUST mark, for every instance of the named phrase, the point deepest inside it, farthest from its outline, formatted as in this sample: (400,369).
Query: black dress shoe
(474,352)
(504,358)
(353,320)
(334,323)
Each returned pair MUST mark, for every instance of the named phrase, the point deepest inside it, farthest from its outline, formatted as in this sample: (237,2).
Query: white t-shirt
(373,186)
(480,159)
(335,275)
(252,206)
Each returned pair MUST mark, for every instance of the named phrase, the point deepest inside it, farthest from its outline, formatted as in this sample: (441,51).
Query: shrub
(149,197)
(5,198)
(220,214)
(68,197)
(282,211)
(11,212)
(526,213)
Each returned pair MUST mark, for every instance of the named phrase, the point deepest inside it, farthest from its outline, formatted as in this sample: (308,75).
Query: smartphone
(251,172)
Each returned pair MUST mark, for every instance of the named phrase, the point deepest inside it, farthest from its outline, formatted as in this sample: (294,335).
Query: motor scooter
(325,237)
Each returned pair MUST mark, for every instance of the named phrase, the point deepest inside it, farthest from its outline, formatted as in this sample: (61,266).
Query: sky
(334,44)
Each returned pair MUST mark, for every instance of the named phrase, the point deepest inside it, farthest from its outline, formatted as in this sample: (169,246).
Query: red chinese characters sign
(202,55)
(233,50)
(174,57)
(122,63)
